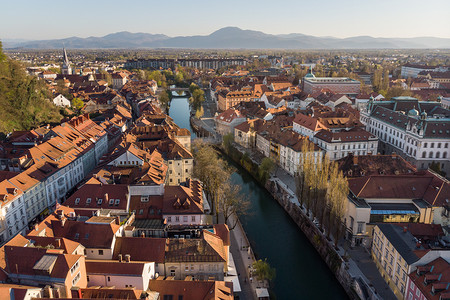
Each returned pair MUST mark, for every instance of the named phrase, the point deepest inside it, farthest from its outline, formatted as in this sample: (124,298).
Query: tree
(164,98)
(385,84)
(263,271)
(212,171)
(231,201)
(228,140)
(267,165)
(77,103)
(198,97)
(24,100)
(199,112)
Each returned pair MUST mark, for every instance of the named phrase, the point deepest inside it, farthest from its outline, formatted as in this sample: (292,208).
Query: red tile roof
(113,196)
(438,273)
(192,290)
(141,248)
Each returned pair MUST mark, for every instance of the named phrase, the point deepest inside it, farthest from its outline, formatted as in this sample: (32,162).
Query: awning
(262,293)
(393,209)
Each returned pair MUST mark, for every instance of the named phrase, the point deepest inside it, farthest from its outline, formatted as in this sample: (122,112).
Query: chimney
(127,258)
(76,292)
(120,257)
(405,229)
(36,227)
(355,160)
(58,243)
(143,234)
(118,220)
(106,198)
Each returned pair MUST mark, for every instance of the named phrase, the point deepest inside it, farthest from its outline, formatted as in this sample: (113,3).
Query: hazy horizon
(44,20)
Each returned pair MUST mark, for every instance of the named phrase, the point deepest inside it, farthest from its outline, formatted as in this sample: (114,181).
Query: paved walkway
(365,263)
(243,258)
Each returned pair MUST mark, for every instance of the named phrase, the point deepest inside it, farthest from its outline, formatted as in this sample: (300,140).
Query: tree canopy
(24,100)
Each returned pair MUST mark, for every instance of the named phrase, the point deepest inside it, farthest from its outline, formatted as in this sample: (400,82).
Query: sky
(45,19)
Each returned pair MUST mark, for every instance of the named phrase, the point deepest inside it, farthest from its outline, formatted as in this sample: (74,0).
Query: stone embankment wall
(323,246)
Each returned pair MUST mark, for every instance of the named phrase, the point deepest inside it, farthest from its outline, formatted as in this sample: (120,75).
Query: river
(301,273)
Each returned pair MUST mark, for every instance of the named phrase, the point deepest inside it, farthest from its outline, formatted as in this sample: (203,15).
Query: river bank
(285,198)
(272,234)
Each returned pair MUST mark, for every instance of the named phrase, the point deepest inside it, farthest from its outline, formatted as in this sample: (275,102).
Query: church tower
(66,69)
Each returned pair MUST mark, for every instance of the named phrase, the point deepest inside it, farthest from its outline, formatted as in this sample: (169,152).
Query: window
(192,267)
(100,252)
(141,211)
(430,155)
(193,219)
(111,201)
(99,201)
(76,278)
(169,219)
(432,145)
(117,202)
(145,198)
(77,201)
(168,297)
(74,268)
(186,268)
(360,227)
(177,219)
(88,201)
(172,272)
(424,154)
(109,278)
(185,218)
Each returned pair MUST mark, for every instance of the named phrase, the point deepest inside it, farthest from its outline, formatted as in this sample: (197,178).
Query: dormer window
(77,201)
(111,201)
(88,201)
(117,202)
(145,198)
(99,201)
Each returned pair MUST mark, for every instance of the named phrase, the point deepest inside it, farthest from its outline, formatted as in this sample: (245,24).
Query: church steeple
(66,69)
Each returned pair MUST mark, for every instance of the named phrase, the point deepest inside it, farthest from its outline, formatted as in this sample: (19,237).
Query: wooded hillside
(24,100)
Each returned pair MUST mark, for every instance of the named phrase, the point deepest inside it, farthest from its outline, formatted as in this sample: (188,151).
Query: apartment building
(419,131)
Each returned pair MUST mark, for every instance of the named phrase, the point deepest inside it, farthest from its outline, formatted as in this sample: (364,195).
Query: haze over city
(36,20)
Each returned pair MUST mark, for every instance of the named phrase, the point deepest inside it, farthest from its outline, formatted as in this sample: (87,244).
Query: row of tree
(323,190)
(225,197)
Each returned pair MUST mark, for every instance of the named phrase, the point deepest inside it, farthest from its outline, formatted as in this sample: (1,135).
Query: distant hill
(236,38)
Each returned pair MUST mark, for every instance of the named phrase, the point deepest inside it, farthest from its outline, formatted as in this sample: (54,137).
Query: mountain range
(230,38)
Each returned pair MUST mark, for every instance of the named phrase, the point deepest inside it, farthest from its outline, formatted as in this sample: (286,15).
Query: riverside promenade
(244,258)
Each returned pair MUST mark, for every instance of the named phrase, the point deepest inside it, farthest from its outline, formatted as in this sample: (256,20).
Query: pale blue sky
(45,19)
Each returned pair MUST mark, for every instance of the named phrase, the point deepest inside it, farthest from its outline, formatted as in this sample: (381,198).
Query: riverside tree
(263,271)
(323,189)
(225,197)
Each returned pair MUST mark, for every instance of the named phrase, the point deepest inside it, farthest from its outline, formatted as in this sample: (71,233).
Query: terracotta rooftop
(433,279)
(141,248)
(192,290)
